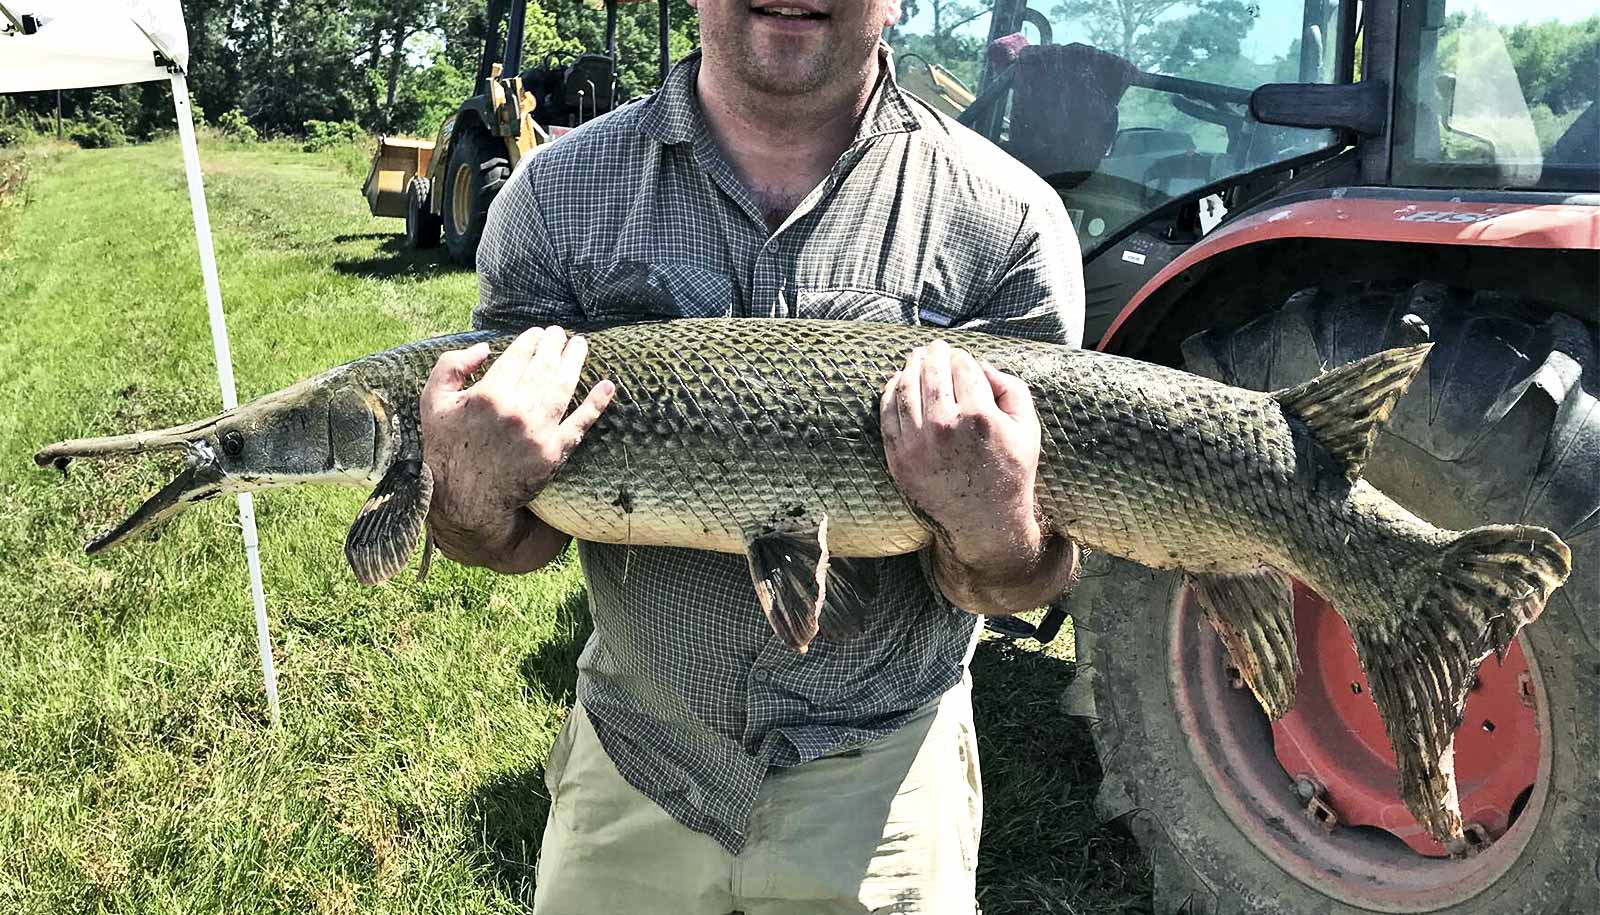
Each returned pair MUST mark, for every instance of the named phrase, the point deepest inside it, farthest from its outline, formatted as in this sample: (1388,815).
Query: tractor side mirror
(1360,107)
(1445,86)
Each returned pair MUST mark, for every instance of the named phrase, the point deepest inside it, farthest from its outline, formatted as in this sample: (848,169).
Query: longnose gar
(761,437)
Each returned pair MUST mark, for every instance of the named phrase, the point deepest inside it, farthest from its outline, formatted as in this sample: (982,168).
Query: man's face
(817,42)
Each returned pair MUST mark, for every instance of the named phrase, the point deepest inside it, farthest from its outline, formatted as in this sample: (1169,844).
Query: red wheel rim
(1359,862)
(1334,736)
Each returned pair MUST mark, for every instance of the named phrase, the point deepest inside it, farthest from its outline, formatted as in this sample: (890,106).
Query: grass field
(138,770)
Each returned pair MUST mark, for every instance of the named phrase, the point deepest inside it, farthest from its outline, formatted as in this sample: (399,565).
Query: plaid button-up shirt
(639,213)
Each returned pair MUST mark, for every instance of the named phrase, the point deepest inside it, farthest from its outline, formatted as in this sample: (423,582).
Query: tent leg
(230,399)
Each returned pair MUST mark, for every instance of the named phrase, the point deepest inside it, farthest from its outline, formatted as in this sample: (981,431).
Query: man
(778,172)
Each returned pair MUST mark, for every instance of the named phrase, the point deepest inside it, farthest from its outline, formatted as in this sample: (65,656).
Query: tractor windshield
(1124,105)
(1501,94)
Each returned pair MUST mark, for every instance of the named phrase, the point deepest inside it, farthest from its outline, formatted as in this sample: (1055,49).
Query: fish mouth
(200,481)
(202,478)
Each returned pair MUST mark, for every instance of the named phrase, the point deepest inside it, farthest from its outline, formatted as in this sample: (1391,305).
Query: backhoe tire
(478,168)
(422,224)
(1502,426)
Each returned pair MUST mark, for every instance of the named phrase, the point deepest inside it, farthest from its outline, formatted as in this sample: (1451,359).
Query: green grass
(139,773)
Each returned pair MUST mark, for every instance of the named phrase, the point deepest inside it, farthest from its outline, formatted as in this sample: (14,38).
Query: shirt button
(760,675)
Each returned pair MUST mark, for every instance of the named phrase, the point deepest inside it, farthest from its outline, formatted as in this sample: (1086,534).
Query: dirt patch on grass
(11,170)
(15,162)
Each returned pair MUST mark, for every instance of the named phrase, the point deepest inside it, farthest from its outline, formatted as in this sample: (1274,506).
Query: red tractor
(1262,190)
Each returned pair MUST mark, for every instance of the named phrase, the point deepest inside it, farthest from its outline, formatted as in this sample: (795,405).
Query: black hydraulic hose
(491,46)
(611,51)
(519,12)
(666,53)
(611,31)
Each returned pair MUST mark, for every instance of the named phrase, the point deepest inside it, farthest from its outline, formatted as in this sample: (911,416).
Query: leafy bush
(98,132)
(12,134)
(324,135)
(235,125)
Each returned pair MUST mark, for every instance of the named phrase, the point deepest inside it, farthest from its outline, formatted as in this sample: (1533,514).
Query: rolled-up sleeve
(1038,293)
(520,280)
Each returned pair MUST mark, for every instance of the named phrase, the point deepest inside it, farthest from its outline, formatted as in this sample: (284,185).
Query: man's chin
(787,77)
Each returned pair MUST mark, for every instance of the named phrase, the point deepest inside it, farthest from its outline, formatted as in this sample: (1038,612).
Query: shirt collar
(673,115)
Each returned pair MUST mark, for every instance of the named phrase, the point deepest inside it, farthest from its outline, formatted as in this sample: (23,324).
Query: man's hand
(493,446)
(962,440)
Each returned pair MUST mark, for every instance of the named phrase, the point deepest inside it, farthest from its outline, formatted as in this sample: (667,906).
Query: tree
(1172,36)
(388,25)
(1558,64)
(1121,26)
(388,64)
(958,53)
(1210,35)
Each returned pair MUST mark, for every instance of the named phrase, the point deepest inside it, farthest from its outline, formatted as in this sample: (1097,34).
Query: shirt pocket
(849,304)
(634,289)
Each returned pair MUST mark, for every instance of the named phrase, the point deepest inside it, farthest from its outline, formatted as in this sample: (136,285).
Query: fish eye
(232,442)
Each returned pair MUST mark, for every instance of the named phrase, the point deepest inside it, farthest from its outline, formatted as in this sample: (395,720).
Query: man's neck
(781,148)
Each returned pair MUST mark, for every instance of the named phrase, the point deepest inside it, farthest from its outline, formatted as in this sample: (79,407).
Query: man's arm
(963,439)
(494,444)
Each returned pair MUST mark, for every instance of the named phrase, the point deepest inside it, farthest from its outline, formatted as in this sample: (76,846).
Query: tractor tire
(422,225)
(478,168)
(1502,426)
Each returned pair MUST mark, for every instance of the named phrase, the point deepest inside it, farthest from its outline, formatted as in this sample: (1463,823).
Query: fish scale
(761,437)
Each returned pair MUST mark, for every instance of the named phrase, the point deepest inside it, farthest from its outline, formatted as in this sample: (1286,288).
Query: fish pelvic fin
(1345,407)
(1477,593)
(1253,614)
(802,592)
(385,531)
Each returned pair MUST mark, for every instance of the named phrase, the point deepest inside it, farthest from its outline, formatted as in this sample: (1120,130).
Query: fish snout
(202,478)
(173,438)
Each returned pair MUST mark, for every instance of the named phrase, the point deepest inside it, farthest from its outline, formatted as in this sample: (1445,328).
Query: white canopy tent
(71,44)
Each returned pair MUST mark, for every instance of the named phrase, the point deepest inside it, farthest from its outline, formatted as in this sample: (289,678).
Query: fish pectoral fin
(852,586)
(427,553)
(800,590)
(1422,656)
(385,530)
(1253,613)
(1345,407)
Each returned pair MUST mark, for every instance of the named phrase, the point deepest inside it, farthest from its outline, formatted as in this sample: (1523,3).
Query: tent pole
(230,399)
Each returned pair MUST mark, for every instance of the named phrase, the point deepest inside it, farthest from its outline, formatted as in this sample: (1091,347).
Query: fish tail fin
(1474,596)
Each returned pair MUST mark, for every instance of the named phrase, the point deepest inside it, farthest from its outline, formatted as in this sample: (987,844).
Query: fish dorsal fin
(1345,407)
(800,590)
(385,531)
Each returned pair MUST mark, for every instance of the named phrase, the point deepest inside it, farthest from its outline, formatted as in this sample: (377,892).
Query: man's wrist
(507,545)
(1000,550)
(1038,567)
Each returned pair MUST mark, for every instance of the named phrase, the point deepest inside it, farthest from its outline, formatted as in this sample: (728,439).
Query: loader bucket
(398,159)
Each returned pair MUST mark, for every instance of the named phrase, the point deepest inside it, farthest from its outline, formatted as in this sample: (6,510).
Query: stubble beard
(772,72)
(776,71)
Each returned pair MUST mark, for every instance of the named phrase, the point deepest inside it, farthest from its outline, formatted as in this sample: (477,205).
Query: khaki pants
(891,830)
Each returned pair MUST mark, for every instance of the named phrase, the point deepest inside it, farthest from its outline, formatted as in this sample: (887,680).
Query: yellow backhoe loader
(443,186)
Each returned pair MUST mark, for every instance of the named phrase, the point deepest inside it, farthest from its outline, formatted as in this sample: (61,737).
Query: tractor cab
(1158,121)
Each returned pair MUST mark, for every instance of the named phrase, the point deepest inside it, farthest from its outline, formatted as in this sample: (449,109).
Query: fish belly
(628,508)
